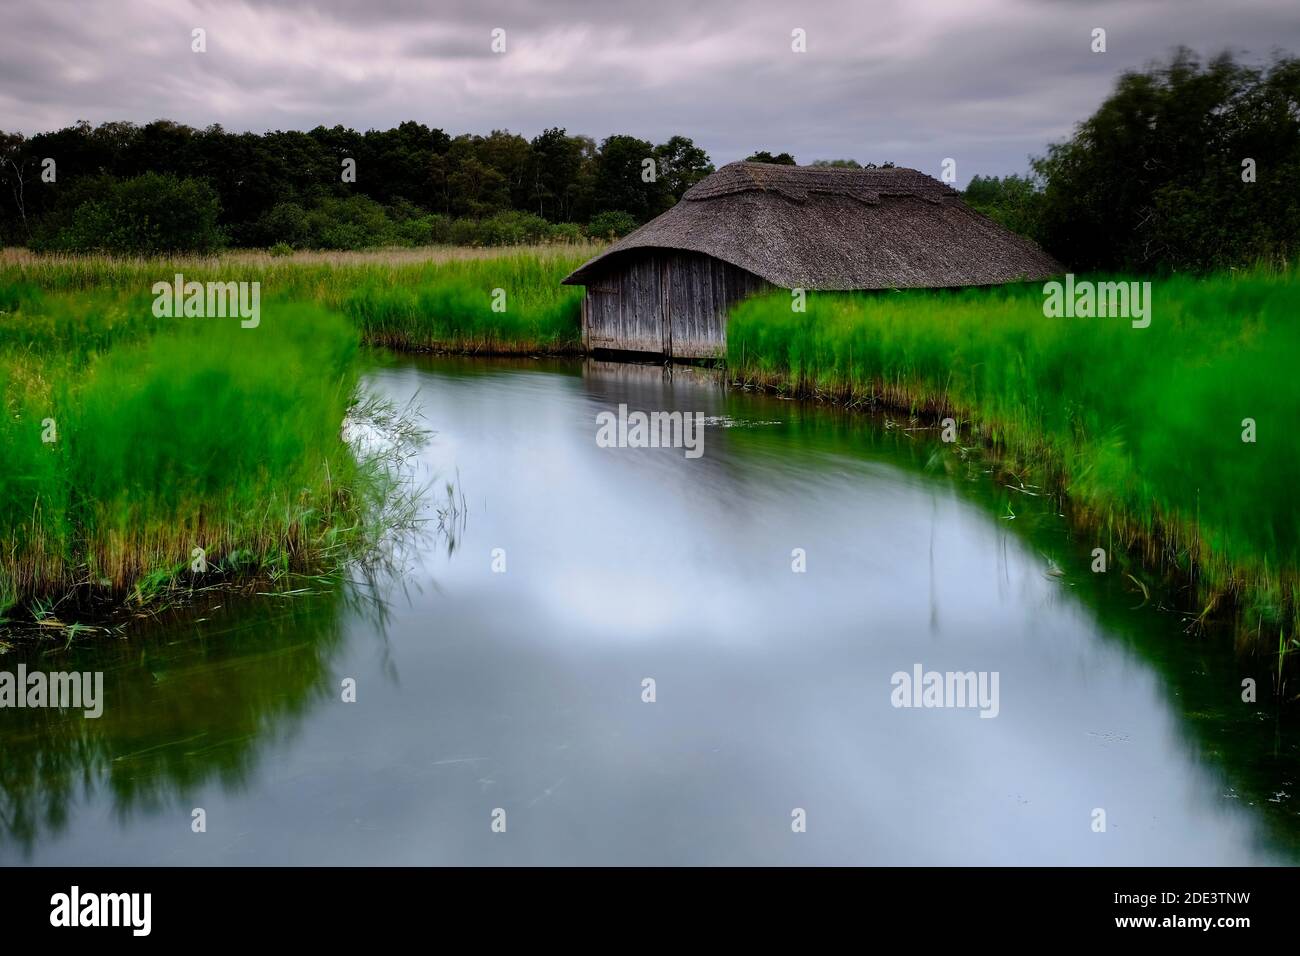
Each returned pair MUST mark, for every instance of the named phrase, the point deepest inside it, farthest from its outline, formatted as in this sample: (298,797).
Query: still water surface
(523,690)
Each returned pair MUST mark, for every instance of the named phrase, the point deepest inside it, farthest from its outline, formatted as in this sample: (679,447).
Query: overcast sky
(988,82)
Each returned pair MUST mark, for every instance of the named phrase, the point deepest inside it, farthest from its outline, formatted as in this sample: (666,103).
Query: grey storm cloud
(988,82)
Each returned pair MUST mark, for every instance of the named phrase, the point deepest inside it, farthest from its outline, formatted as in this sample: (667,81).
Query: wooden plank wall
(625,308)
(665,302)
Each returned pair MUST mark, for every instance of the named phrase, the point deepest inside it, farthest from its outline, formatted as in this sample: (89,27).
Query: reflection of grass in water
(177,713)
(180,713)
(1253,747)
(196,695)
(1143,426)
(453,513)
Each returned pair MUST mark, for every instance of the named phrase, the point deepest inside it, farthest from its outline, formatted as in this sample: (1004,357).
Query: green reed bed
(513,304)
(129,441)
(1141,427)
(446,300)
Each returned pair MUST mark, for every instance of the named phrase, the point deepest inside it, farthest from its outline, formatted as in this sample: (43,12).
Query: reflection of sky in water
(522,690)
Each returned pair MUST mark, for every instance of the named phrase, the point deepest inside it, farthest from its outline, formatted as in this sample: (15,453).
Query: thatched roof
(829,228)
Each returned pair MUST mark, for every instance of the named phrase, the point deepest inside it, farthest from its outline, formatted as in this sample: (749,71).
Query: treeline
(1186,166)
(127,188)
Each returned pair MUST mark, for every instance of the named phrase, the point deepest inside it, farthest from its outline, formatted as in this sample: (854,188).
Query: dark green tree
(620,183)
(511,156)
(1154,179)
(150,214)
(556,162)
(1013,201)
(682,164)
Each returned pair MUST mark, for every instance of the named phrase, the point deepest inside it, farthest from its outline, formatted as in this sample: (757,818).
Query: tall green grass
(198,435)
(441,302)
(507,305)
(1142,427)
(175,434)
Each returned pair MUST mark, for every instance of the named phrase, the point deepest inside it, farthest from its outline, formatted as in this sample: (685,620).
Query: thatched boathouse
(666,288)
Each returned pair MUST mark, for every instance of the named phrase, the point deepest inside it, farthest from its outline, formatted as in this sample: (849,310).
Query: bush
(465,232)
(352,223)
(422,231)
(611,225)
(285,224)
(344,235)
(567,232)
(440,229)
(513,228)
(148,215)
(358,222)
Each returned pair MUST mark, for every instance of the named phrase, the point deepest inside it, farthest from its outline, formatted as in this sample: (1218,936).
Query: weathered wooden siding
(666,302)
(624,308)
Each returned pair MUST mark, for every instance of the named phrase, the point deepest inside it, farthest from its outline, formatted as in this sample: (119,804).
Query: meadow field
(174,434)
(436,298)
